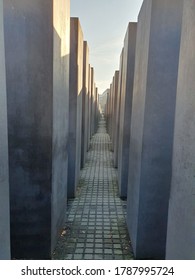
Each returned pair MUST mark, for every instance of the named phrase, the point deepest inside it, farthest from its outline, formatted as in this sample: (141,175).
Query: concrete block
(96,109)
(92,104)
(85,104)
(126,107)
(75,105)
(181,224)
(103,100)
(89,108)
(4,180)
(152,124)
(115,99)
(118,106)
(37,74)
(109,128)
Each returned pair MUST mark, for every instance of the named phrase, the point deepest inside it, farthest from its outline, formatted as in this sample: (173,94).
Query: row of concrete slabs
(155,128)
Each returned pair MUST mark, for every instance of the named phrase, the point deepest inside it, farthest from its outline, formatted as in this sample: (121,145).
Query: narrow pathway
(96,227)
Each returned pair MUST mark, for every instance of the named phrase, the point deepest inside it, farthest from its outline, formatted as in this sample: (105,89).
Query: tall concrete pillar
(153,114)
(92,104)
(75,105)
(115,98)
(85,103)
(126,107)
(4,180)
(96,110)
(89,109)
(181,223)
(110,111)
(118,106)
(37,71)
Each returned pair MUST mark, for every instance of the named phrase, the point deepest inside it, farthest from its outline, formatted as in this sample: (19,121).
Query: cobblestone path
(96,227)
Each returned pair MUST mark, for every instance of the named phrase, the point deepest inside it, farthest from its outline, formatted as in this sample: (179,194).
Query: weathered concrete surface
(89,109)
(114,114)
(181,223)
(126,107)
(4,180)
(153,114)
(37,68)
(96,110)
(75,105)
(103,100)
(118,106)
(61,19)
(109,120)
(92,102)
(85,104)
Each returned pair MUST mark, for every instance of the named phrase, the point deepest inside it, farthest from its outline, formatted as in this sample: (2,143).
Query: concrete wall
(85,104)
(114,114)
(126,107)
(96,110)
(115,95)
(153,114)
(75,105)
(37,90)
(61,19)
(92,104)
(118,106)
(109,120)
(4,182)
(89,110)
(181,223)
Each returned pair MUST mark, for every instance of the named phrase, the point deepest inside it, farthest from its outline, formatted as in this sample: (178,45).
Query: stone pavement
(96,226)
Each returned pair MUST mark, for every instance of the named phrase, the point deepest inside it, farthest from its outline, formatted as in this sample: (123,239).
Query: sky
(104,24)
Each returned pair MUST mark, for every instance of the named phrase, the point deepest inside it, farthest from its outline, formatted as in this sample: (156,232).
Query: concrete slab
(115,98)
(153,114)
(85,104)
(4,180)
(75,105)
(92,103)
(92,131)
(37,71)
(126,107)
(96,110)
(89,109)
(181,224)
(118,106)
(109,120)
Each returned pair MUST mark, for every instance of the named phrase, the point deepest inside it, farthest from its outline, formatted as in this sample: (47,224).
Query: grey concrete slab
(75,105)
(153,114)
(37,71)
(97,110)
(85,104)
(4,176)
(126,107)
(103,100)
(114,113)
(109,122)
(93,87)
(92,104)
(118,106)
(89,109)
(181,224)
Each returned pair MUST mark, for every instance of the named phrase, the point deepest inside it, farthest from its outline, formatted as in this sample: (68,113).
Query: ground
(96,226)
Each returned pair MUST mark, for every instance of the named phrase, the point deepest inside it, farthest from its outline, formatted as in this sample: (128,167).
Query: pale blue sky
(104,24)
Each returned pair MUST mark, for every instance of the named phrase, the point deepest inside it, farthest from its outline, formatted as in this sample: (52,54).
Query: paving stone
(78,256)
(88,257)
